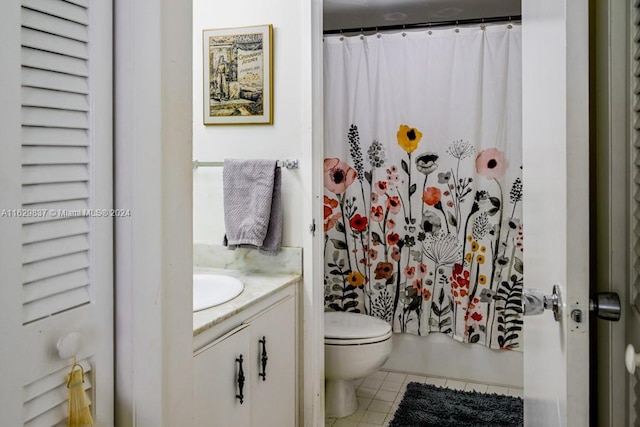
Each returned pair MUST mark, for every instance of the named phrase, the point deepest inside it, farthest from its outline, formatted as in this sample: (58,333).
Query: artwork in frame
(238,79)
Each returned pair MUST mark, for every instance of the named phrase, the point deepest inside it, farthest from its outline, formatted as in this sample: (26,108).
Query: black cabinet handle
(240,380)
(263,358)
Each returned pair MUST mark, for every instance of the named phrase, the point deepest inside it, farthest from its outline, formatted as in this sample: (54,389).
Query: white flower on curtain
(424,233)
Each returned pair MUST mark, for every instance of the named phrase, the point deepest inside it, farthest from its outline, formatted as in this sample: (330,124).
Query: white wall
(282,140)
(296,132)
(438,355)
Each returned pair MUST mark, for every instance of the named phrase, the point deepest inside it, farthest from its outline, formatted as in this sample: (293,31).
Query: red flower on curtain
(476,316)
(358,223)
(383,270)
(459,282)
(431,196)
(393,238)
(330,218)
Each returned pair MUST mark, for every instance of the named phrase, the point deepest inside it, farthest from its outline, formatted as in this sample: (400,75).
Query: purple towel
(252,205)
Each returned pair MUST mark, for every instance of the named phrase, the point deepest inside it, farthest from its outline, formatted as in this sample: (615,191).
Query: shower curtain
(422,177)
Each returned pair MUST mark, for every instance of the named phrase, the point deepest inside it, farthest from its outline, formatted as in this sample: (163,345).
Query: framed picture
(238,79)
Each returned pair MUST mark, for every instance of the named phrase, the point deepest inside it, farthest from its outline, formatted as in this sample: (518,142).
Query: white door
(56,270)
(556,211)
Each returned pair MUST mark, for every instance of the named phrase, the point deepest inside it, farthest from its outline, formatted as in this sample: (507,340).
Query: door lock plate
(579,315)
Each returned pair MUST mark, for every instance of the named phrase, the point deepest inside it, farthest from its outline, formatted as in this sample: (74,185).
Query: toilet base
(340,398)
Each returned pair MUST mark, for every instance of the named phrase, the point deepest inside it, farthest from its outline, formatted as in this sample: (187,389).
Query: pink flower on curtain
(338,175)
(491,163)
(377,213)
(409,271)
(422,270)
(395,254)
(380,187)
(393,204)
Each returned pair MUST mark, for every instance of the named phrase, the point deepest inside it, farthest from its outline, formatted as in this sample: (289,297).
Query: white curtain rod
(287,164)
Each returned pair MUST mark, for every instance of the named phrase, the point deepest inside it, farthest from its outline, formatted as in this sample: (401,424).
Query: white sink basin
(210,290)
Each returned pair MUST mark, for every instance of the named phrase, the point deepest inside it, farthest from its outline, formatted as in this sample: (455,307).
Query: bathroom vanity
(246,353)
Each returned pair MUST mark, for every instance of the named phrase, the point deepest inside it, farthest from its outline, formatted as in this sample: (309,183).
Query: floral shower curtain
(422,176)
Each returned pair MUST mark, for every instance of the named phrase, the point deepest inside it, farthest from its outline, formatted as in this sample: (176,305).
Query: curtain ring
(378,35)
(509,26)
(457,29)
(404,27)
(482,25)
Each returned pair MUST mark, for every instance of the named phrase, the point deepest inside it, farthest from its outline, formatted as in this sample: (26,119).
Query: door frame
(153,179)
(611,161)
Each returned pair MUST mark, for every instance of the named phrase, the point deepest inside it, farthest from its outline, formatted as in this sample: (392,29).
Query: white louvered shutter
(56,266)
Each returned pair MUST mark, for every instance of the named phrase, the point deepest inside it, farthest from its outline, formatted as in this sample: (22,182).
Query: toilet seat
(343,328)
(357,341)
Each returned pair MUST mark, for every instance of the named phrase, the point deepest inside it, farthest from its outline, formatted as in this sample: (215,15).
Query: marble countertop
(257,285)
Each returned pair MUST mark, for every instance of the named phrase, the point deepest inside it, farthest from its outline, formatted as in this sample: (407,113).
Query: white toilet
(355,345)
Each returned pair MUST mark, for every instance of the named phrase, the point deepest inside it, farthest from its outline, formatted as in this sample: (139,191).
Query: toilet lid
(350,326)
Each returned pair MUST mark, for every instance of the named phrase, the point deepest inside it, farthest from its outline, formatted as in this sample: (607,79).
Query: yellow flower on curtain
(356,279)
(408,138)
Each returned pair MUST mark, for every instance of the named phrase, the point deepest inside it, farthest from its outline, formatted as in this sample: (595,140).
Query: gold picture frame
(238,75)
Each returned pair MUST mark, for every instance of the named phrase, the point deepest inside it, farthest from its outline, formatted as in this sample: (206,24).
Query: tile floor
(381,392)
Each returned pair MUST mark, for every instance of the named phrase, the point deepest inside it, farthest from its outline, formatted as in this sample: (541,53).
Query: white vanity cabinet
(216,375)
(247,377)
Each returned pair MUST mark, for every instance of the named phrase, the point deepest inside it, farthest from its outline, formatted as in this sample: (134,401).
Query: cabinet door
(215,382)
(273,395)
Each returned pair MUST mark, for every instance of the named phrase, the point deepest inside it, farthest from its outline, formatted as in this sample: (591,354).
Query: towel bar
(288,164)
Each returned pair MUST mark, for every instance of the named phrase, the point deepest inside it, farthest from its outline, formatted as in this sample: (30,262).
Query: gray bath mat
(427,405)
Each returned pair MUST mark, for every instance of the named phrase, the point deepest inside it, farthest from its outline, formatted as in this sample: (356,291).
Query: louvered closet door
(56,243)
